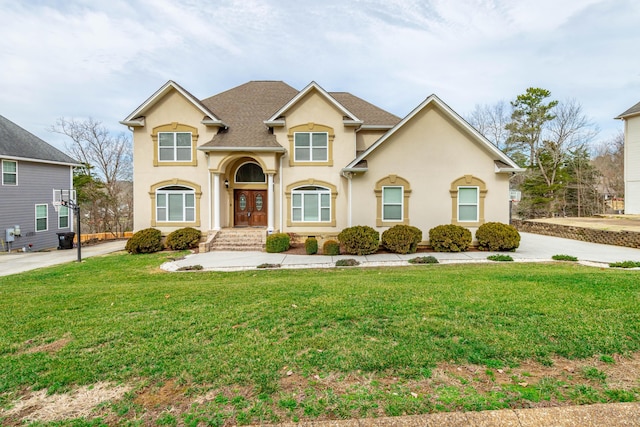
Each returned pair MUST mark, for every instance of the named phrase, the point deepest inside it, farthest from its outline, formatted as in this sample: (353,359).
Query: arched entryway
(250,196)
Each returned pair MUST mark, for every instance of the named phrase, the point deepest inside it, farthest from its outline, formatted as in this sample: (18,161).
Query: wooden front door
(250,208)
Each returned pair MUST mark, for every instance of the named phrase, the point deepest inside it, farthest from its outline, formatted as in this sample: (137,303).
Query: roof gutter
(28,159)
(354,170)
(216,123)
(501,170)
(274,123)
(375,127)
(133,123)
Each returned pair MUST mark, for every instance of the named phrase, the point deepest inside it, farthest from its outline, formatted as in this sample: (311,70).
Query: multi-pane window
(311,204)
(42,220)
(392,203)
(9,172)
(175,204)
(63,217)
(468,204)
(311,147)
(174,146)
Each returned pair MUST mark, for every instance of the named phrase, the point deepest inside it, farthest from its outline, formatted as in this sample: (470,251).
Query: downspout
(281,194)
(209,195)
(349,175)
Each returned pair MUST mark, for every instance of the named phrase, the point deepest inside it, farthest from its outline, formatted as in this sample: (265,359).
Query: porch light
(226,183)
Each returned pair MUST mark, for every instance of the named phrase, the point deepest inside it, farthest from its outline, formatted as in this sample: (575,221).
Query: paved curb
(610,415)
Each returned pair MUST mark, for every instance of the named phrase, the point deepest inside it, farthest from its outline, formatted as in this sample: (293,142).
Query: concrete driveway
(18,262)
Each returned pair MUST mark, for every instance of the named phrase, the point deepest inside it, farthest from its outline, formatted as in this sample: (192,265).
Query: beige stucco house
(631,119)
(309,162)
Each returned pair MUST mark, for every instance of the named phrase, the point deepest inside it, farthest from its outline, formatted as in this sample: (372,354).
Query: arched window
(250,172)
(175,204)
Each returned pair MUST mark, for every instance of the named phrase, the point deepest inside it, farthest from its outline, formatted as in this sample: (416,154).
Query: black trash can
(65,240)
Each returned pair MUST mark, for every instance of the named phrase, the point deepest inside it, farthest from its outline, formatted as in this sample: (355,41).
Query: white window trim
(175,147)
(311,159)
(60,216)
(401,204)
(319,193)
(15,173)
(46,217)
(184,205)
(250,182)
(476,204)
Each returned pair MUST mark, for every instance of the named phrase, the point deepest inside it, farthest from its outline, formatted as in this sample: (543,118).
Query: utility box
(9,235)
(65,240)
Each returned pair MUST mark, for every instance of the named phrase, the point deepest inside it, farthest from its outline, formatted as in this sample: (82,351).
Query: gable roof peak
(275,119)
(433,99)
(136,118)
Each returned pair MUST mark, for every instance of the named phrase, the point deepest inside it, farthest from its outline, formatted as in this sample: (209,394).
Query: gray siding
(36,182)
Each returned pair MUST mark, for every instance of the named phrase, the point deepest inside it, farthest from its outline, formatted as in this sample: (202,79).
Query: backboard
(62,197)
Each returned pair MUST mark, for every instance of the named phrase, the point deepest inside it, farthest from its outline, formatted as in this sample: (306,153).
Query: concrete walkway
(610,415)
(533,248)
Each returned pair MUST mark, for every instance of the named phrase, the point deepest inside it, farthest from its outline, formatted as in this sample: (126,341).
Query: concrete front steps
(236,239)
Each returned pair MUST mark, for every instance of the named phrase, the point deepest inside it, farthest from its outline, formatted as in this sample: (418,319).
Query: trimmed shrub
(563,257)
(359,240)
(496,236)
(402,239)
(311,246)
(196,267)
(625,264)
(267,265)
(278,242)
(424,260)
(500,257)
(449,238)
(184,238)
(347,262)
(331,247)
(145,241)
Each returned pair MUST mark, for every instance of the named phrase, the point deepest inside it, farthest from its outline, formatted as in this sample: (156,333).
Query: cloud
(80,58)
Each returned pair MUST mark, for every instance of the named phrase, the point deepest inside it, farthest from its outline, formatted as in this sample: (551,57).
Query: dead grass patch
(39,406)
(51,348)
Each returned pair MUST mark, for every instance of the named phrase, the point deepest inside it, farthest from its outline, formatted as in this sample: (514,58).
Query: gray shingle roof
(18,142)
(365,111)
(631,111)
(244,109)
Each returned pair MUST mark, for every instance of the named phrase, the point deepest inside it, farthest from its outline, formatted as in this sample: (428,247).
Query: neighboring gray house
(31,169)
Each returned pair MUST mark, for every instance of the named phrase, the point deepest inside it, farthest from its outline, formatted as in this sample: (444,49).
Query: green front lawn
(288,345)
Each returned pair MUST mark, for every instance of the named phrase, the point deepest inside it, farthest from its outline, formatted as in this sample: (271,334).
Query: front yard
(120,342)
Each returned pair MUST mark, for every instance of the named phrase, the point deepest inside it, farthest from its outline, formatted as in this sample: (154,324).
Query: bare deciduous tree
(109,160)
(609,161)
(491,120)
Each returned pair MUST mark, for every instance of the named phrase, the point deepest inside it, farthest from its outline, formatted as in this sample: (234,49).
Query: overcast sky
(102,59)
